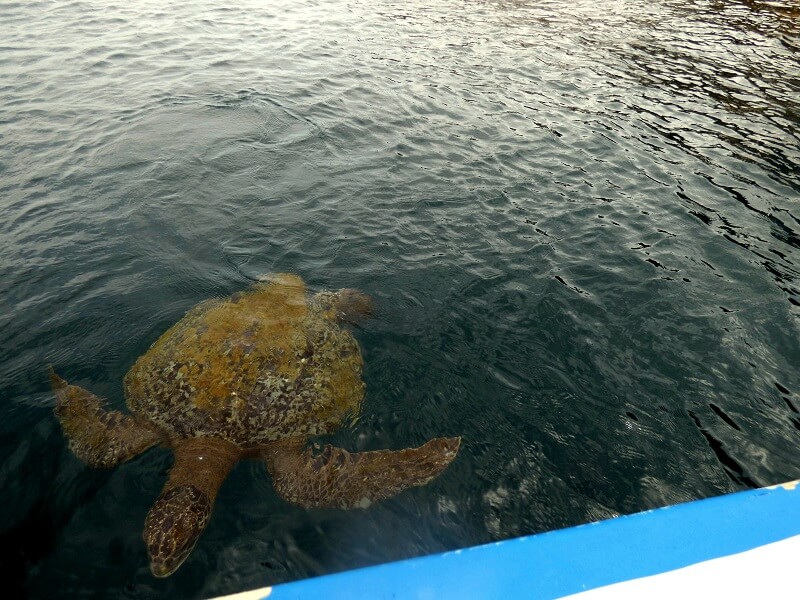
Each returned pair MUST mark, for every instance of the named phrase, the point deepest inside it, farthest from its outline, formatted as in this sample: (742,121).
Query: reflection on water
(578,220)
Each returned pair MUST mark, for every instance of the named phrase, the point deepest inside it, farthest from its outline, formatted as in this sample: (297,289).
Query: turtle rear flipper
(336,478)
(99,437)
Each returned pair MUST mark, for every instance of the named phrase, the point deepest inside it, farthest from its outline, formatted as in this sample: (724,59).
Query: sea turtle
(249,376)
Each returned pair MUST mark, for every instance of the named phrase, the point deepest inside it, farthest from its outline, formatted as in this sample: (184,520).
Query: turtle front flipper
(336,478)
(99,437)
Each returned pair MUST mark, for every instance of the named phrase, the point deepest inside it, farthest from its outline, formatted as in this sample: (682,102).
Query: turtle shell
(262,365)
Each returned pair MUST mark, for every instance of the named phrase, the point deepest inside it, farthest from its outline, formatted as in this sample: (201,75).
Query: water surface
(580,222)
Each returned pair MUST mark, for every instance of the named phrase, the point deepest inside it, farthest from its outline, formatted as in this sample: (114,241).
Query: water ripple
(578,220)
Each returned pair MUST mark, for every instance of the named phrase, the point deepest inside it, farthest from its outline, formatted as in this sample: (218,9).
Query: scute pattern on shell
(259,366)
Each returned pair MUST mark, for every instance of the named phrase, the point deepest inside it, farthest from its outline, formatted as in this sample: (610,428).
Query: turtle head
(173,526)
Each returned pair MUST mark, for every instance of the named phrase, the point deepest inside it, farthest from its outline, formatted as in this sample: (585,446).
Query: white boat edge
(739,544)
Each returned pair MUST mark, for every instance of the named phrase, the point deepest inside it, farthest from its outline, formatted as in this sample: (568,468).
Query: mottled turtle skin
(249,376)
(257,367)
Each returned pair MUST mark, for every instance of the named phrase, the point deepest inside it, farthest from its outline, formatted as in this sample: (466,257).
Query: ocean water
(579,221)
